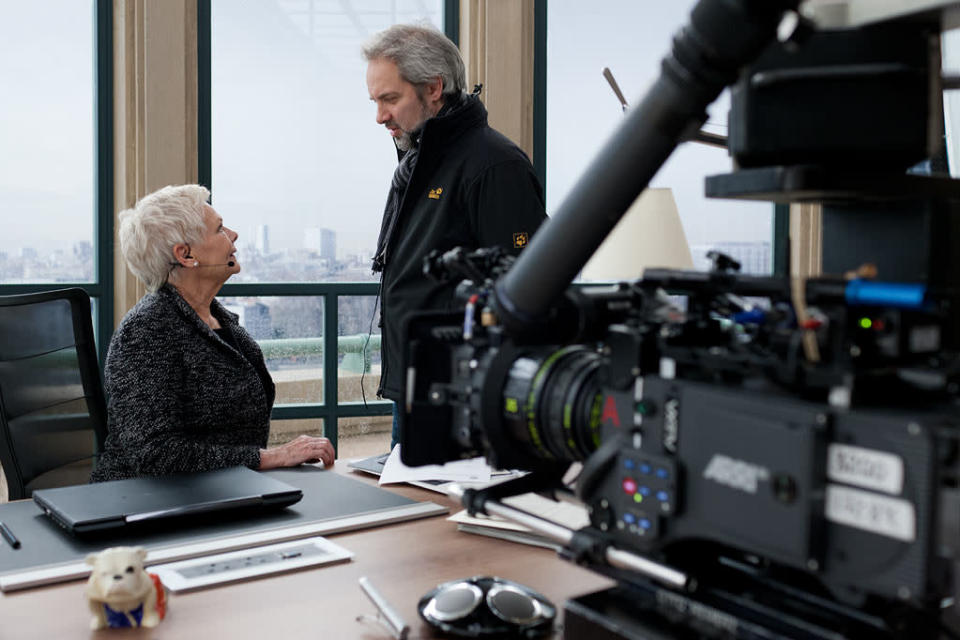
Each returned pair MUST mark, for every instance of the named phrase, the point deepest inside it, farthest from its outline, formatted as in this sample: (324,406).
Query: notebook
(144,502)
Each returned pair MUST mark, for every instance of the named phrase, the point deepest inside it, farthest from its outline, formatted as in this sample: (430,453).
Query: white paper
(472,470)
(569,514)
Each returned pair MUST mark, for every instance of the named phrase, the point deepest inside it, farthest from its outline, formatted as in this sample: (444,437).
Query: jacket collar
(170,294)
(462,114)
(457,116)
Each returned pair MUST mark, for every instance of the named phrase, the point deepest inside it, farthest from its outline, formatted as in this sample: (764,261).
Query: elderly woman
(187,387)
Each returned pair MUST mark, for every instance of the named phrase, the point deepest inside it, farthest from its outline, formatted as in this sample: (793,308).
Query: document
(568,514)
(474,470)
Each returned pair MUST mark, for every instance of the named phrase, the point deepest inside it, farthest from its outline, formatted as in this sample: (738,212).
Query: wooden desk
(403,561)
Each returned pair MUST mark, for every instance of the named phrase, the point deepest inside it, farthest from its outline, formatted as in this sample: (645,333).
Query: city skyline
(260,261)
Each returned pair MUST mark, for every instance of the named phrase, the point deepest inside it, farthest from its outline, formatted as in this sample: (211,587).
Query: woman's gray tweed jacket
(180,399)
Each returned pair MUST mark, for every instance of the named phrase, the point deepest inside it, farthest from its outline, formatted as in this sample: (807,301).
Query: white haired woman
(187,387)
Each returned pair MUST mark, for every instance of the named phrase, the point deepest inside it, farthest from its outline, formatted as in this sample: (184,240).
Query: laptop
(372,465)
(113,506)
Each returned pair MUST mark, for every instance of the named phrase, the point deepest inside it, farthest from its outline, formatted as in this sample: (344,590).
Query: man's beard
(404,141)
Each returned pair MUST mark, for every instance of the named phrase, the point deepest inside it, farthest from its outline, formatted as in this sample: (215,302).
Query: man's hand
(299,450)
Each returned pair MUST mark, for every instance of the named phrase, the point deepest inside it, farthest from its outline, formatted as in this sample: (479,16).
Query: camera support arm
(582,543)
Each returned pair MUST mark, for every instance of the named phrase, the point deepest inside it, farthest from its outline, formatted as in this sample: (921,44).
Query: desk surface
(403,561)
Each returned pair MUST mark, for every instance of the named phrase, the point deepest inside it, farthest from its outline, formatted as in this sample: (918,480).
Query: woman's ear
(181,254)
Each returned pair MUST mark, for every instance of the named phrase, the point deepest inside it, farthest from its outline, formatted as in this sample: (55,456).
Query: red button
(629,486)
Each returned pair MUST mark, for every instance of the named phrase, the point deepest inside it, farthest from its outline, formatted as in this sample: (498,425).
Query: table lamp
(649,235)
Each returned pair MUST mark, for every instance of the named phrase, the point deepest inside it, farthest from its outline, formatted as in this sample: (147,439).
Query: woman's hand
(299,450)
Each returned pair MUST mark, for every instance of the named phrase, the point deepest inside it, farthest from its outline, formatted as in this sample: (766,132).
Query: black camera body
(699,439)
(847,496)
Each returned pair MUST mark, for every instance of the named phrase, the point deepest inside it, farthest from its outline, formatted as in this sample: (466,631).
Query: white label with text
(868,468)
(885,516)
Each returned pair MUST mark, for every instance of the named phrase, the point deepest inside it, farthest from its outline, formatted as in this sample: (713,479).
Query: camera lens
(552,402)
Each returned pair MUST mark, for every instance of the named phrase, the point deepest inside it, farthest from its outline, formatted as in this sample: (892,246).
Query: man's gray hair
(149,230)
(421,54)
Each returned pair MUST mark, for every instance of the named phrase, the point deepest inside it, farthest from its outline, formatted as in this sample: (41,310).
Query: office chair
(52,407)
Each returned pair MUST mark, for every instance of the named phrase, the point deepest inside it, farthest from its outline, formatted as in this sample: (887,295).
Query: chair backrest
(52,406)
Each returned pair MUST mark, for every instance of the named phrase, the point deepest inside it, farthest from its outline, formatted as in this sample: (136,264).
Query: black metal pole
(707,55)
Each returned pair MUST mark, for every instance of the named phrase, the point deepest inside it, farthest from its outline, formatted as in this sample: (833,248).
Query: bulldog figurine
(121,593)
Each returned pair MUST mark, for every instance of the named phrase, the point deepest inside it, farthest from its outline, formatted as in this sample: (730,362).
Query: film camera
(763,457)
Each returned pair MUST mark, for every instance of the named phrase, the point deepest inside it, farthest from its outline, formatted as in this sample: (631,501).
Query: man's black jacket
(471,187)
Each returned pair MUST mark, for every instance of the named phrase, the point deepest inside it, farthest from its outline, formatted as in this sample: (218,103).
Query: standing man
(458,183)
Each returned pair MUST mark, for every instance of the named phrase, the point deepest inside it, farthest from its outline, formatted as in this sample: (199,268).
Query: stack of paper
(568,514)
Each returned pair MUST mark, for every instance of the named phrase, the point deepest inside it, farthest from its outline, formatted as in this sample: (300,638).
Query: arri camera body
(763,457)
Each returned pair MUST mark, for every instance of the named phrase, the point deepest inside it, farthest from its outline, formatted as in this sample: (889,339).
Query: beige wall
(155,109)
(496,40)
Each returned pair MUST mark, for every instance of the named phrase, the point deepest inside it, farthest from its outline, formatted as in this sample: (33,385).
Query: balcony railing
(355,349)
(330,409)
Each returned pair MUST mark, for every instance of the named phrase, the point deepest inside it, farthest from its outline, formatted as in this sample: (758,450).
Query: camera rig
(763,457)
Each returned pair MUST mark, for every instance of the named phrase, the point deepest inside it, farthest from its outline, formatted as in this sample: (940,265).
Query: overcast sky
(46,123)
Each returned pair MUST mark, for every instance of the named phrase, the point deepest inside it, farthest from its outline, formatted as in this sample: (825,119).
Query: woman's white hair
(149,230)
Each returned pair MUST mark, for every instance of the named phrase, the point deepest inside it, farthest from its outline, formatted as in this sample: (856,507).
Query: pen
(8,536)
(399,628)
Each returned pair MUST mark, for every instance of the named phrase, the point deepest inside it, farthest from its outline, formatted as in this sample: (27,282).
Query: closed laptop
(107,506)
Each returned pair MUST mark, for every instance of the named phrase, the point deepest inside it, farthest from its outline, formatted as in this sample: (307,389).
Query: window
(950,55)
(48,138)
(55,132)
(582,111)
(300,169)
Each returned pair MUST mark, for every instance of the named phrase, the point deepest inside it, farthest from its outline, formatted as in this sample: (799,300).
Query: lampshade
(649,235)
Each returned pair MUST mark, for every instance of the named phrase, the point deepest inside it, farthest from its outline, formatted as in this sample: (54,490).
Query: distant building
(328,245)
(262,241)
(312,239)
(321,241)
(254,317)
(755,258)
(82,251)
(28,253)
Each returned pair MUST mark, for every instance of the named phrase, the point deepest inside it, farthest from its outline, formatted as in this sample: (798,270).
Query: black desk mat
(327,496)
